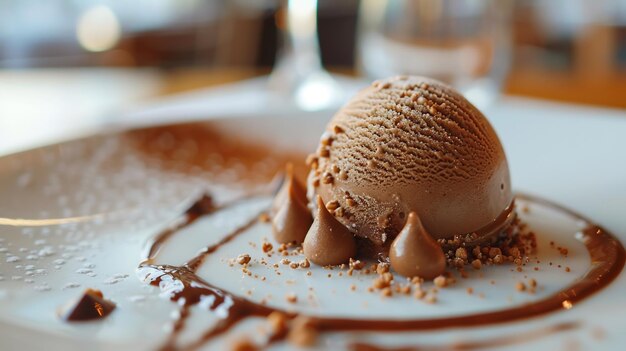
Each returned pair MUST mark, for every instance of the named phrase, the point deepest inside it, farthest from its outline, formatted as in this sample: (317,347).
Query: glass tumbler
(465,43)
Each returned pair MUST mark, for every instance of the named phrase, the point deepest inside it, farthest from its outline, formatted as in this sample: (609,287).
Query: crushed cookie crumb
(405,290)
(332,205)
(327,178)
(417,281)
(431,299)
(304,263)
(378,284)
(311,161)
(277,322)
(264,218)
(382,268)
(339,212)
(267,247)
(494,251)
(497,259)
(291,298)
(440,281)
(357,265)
(343,175)
(243,259)
(461,253)
(419,294)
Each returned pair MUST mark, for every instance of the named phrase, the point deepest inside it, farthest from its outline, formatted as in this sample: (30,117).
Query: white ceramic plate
(117,199)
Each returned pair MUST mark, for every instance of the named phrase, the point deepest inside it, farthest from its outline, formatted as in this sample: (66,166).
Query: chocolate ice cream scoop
(411,144)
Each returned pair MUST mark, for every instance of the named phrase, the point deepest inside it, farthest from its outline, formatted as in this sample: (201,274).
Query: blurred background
(70,65)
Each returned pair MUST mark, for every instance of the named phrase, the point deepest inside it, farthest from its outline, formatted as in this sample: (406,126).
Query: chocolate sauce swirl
(181,284)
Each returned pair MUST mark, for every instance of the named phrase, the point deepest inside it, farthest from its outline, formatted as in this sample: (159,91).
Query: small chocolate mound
(291,218)
(89,306)
(328,242)
(414,253)
(290,187)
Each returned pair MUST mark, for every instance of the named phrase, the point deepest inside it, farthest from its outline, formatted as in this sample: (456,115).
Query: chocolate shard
(91,305)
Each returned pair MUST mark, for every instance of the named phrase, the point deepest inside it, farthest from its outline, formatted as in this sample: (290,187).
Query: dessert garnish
(90,305)
(408,179)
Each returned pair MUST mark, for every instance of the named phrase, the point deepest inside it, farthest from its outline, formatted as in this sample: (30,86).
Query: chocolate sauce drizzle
(506,340)
(182,285)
